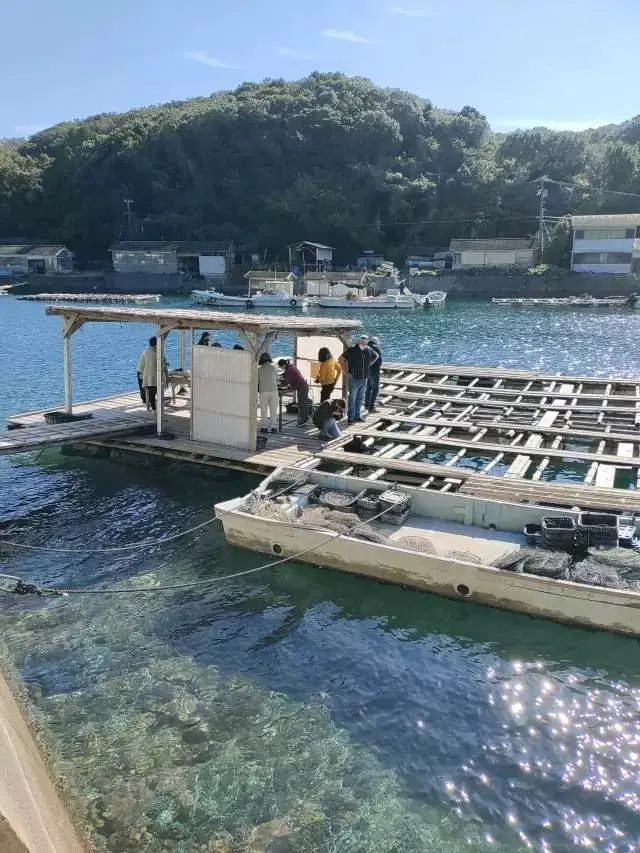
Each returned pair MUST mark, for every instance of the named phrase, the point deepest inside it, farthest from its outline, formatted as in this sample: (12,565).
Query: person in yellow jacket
(328,373)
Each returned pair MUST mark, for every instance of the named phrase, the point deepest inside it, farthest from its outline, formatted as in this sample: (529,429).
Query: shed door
(224,392)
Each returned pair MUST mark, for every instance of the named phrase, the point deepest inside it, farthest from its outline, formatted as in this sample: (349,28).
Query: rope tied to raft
(140,546)
(19,587)
(132,546)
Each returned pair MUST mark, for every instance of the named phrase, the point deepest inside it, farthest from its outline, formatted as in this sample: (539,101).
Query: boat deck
(448,536)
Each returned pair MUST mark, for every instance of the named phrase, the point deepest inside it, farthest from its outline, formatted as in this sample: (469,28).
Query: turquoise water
(300,709)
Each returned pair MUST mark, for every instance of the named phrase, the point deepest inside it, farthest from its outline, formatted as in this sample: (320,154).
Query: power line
(477,219)
(589,187)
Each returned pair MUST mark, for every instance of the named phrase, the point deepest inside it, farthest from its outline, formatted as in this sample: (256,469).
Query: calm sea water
(300,709)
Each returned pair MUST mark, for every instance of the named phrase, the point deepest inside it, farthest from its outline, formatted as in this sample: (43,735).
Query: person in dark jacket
(292,377)
(358,359)
(373,380)
(326,416)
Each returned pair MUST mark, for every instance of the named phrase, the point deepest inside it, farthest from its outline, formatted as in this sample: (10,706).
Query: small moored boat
(454,545)
(259,299)
(264,290)
(435,299)
(393,298)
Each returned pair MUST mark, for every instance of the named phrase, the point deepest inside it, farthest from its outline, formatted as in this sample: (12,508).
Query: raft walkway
(118,421)
(31,432)
(138,298)
(563,301)
(516,436)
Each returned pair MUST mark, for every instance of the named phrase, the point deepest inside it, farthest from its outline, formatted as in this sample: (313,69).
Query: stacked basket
(396,504)
(558,533)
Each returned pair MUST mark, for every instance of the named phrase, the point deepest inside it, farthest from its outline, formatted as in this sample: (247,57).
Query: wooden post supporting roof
(70,325)
(159,380)
(182,357)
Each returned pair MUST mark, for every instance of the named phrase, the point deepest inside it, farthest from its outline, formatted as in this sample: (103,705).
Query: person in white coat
(268,393)
(139,370)
(148,367)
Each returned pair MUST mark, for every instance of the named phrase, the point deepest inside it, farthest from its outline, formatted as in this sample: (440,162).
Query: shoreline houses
(493,252)
(210,259)
(606,243)
(34,258)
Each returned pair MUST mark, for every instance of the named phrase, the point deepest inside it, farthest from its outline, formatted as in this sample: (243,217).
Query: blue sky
(520,62)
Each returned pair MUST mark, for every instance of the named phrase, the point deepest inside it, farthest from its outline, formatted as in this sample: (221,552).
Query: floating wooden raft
(92,297)
(498,432)
(568,301)
(49,435)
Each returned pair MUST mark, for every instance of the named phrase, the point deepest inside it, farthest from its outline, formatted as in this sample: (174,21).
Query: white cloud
(28,129)
(345,35)
(408,13)
(205,59)
(288,52)
(504,124)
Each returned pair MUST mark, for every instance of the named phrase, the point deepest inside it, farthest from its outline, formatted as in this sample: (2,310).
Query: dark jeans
(304,407)
(327,391)
(152,391)
(371,393)
(143,396)
(356,395)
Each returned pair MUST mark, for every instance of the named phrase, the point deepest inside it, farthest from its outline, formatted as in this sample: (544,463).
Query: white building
(494,252)
(606,243)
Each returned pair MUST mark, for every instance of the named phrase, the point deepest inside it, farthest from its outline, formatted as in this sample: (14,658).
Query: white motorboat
(458,546)
(257,299)
(435,299)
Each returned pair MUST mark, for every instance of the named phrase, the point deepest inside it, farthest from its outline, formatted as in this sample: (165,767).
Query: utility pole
(542,195)
(128,202)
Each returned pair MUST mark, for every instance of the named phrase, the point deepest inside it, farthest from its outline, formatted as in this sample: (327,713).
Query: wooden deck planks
(46,435)
(520,418)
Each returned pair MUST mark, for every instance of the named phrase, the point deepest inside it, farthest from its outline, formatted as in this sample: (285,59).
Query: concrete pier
(32,816)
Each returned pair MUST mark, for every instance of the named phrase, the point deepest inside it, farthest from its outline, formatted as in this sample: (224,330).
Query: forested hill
(327,158)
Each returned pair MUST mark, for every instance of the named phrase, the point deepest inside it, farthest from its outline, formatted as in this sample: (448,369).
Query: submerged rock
(222,842)
(274,836)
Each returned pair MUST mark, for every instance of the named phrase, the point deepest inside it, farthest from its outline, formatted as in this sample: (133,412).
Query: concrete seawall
(483,285)
(32,816)
(487,285)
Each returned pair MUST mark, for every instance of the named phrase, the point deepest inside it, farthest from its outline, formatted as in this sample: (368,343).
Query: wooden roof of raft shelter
(182,319)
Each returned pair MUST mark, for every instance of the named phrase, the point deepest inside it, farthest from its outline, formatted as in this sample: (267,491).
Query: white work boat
(444,543)
(258,299)
(393,298)
(435,299)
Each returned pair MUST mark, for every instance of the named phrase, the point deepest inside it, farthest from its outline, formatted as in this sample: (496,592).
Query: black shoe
(350,421)
(274,431)
(263,429)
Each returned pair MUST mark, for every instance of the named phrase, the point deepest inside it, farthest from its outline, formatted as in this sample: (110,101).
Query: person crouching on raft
(326,416)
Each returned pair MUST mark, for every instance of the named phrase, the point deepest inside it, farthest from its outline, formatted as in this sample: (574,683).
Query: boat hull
(220,300)
(561,601)
(367,304)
